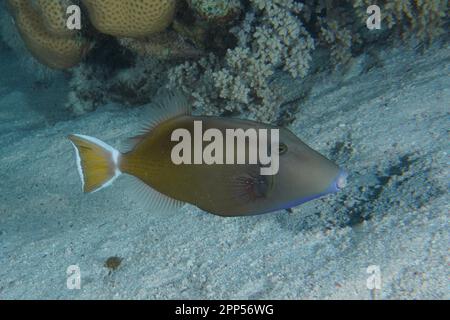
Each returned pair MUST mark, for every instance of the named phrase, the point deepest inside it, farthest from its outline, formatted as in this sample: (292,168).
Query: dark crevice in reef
(208,36)
(108,57)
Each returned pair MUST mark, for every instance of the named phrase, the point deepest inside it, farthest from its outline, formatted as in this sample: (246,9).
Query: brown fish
(222,189)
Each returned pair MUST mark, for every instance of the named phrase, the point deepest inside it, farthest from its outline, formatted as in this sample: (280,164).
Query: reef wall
(229,56)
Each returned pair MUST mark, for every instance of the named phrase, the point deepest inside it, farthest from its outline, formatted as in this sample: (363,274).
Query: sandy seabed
(388,126)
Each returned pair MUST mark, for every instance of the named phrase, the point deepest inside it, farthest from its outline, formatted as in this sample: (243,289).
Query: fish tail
(98,163)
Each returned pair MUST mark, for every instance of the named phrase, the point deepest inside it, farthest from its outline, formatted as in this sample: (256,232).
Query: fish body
(221,189)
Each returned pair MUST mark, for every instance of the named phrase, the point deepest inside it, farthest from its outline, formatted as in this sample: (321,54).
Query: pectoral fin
(240,188)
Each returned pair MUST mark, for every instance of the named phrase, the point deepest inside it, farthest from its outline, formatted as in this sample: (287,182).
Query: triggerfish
(219,188)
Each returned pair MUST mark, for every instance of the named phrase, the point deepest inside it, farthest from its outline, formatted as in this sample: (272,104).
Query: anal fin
(151,199)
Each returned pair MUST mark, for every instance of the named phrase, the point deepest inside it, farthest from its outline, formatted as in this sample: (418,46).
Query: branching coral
(136,85)
(339,39)
(54,50)
(423,19)
(86,92)
(334,27)
(271,37)
(132,18)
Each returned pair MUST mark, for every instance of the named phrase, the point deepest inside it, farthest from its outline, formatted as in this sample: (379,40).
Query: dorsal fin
(167,104)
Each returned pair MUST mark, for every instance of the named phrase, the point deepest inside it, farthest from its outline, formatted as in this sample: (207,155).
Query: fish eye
(282,148)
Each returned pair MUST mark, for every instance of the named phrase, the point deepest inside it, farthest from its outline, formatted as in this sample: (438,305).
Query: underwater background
(376,102)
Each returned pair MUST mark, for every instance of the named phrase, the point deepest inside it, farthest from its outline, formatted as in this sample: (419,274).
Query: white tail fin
(98,163)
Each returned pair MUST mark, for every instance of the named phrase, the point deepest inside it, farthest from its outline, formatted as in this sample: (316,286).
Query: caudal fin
(97,162)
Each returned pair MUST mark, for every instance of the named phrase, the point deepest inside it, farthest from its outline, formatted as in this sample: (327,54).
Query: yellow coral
(132,18)
(53,12)
(56,52)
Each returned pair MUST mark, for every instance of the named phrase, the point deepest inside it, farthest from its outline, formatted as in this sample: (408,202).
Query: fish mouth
(340,181)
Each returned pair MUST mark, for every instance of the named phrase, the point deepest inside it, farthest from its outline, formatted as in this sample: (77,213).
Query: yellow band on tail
(98,163)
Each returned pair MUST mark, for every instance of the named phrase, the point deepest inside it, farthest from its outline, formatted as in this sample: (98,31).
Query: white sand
(388,127)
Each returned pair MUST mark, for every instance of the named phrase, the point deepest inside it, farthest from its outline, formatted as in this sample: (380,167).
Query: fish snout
(340,181)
